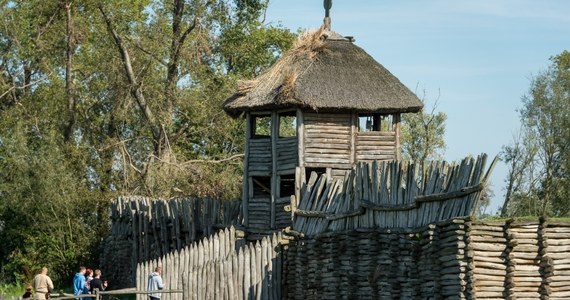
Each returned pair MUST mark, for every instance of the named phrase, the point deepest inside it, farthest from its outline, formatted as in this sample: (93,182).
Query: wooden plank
(331,134)
(375,134)
(344,151)
(327,118)
(329,158)
(375,156)
(325,142)
(371,143)
(389,152)
(376,147)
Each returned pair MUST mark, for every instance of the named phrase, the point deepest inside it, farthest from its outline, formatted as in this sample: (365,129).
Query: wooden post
(353,133)
(245,183)
(300,170)
(274,177)
(301,147)
(295,201)
(398,149)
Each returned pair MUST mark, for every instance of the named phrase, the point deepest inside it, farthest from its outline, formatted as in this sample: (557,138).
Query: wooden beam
(274,177)
(397,119)
(245,184)
(261,185)
(450,195)
(353,133)
(301,144)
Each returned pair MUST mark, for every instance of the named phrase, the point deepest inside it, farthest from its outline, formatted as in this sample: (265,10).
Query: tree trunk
(69,88)
(156,131)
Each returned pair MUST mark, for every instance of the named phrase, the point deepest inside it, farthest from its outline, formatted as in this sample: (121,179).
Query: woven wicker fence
(379,264)
(454,259)
(522,260)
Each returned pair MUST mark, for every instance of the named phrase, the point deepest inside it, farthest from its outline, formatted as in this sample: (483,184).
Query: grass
(11,291)
(523,219)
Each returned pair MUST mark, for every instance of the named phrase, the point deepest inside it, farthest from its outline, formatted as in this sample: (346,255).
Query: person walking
(155,283)
(79,282)
(42,284)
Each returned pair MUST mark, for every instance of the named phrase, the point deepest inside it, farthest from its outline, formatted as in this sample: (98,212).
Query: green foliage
(539,172)
(423,135)
(287,126)
(49,216)
(11,291)
(185,58)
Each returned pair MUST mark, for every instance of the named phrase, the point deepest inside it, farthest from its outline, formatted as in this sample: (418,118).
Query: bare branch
(186,33)
(233,157)
(203,161)
(21,87)
(137,92)
(152,55)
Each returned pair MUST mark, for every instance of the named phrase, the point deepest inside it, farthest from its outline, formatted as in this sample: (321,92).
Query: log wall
(327,140)
(287,154)
(376,145)
(259,213)
(266,210)
(260,156)
(522,260)
(143,229)
(454,259)
(379,264)
(451,259)
(260,159)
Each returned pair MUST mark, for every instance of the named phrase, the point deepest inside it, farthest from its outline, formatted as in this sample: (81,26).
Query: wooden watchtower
(323,106)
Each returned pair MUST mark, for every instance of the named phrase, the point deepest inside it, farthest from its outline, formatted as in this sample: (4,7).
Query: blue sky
(475,57)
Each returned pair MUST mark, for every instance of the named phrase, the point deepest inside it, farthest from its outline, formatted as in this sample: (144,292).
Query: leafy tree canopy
(107,98)
(538,182)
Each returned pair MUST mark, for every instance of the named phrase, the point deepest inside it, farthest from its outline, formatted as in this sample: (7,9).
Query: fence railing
(220,267)
(391,194)
(97,295)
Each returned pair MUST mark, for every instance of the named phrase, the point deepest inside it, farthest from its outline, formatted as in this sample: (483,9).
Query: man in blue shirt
(155,283)
(79,282)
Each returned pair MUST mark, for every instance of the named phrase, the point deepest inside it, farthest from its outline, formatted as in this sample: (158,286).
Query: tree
(423,134)
(107,98)
(539,177)
(521,177)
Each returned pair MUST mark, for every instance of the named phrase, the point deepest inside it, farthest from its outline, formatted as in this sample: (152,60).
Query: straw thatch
(325,72)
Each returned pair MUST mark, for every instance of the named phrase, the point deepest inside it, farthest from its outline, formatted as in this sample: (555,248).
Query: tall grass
(11,291)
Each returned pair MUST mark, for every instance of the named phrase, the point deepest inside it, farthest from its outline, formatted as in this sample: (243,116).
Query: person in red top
(96,282)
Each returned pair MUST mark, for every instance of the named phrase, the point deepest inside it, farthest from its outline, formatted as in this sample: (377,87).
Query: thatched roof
(324,72)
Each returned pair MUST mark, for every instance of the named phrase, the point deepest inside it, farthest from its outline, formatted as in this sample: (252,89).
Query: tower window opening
(261,126)
(288,124)
(287,185)
(261,186)
(375,122)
